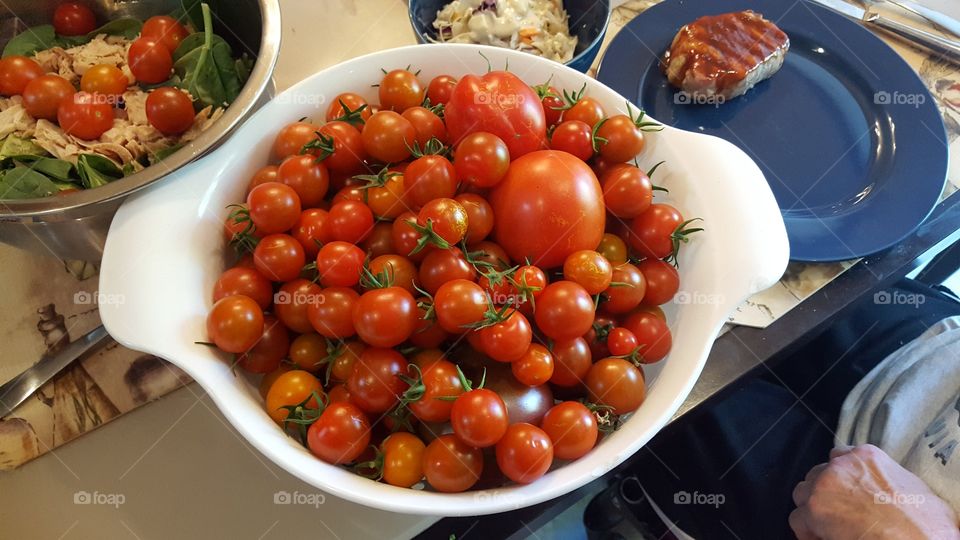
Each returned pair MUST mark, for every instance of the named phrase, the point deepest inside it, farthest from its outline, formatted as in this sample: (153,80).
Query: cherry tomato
(479,418)
(651,233)
(459,303)
(312,230)
(385,317)
(525,453)
(336,111)
(279,257)
(587,110)
(345,357)
(73,19)
(500,103)
(85,116)
(613,248)
(429,333)
(616,383)
(621,342)
(169,110)
(400,271)
(440,379)
(267,381)
(552,106)
(380,241)
(15,72)
(627,291)
(508,340)
(387,201)
(269,350)
(430,177)
(627,191)
(294,299)
(405,237)
(564,310)
(399,90)
(443,265)
(572,428)
(446,218)
(427,125)
(531,281)
(292,388)
(165,30)
(339,264)
(481,159)
(402,459)
(571,361)
(150,61)
(340,435)
(535,367)
(556,201)
(662,279)
(246,282)
(274,207)
(105,79)
(653,335)
(450,465)
(374,385)
(440,89)
(308,351)
(331,315)
(339,394)
(589,269)
(573,137)
(348,147)
(43,95)
(388,137)
(235,323)
(479,217)
(307,177)
(350,221)
(292,138)
(621,139)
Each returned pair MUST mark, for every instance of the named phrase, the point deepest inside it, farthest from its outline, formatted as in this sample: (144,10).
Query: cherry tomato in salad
(150,61)
(85,116)
(43,95)
(170,110)
(165,30)
(73,19)
(15,72)
(105,79)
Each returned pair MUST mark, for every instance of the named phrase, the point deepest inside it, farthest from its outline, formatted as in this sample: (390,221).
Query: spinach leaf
(31,40)
(22,182)
(13,146)
(128,28)
(56,169)
(193,12)
(96,171)
(162,154)
(205,64)
(244,66)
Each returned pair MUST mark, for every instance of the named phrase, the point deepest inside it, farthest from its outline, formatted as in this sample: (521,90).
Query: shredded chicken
(14,118)
(72,63)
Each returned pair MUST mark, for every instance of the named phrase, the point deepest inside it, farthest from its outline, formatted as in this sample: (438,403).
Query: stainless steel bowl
(75,226)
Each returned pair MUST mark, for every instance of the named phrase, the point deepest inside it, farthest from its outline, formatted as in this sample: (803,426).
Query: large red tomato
(499,103)
(548,206)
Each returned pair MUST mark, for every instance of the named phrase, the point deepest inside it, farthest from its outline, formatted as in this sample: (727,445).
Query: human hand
(862,492)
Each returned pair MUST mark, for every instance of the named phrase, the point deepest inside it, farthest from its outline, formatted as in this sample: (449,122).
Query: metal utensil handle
(947,48)
(17,390)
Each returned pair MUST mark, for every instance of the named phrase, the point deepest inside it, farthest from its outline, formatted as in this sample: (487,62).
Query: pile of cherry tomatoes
(438,287)
(89,113)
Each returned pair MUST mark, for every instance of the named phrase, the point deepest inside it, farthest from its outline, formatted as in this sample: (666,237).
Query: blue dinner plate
(849,138)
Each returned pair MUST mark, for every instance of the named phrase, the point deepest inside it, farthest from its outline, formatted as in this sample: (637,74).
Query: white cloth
(909,405)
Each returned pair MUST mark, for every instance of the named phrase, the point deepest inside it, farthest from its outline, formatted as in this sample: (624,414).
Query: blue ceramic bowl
(588,21)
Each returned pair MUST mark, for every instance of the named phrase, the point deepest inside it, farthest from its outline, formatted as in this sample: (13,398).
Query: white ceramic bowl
(166,249)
